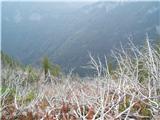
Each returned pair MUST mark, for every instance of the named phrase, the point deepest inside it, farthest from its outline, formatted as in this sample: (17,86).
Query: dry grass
(120,95)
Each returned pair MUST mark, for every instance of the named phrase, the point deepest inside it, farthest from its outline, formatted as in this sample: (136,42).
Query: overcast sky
(78,0)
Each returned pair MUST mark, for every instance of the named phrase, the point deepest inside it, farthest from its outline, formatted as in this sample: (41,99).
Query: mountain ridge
(66,33)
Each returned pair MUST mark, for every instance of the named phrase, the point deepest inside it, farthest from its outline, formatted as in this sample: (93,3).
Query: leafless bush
(131,91)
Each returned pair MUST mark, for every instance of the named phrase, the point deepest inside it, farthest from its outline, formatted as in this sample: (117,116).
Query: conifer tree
(46,65)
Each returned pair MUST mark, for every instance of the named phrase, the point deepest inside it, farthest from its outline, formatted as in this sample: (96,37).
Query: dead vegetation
(132,91)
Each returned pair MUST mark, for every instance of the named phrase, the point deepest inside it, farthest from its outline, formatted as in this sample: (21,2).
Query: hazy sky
(58,0)
(78,0)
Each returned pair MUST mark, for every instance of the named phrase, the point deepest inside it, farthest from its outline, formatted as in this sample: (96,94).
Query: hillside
(131,91)
(66,31)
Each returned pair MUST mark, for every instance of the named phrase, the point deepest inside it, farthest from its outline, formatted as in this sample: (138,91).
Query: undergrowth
(132,90)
